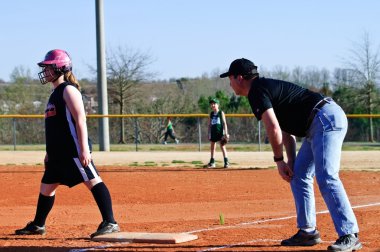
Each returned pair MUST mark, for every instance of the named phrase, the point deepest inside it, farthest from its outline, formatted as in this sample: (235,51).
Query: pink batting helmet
(60,62)
(59,59)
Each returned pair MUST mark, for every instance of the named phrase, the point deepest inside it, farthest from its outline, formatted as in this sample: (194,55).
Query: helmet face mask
(56,63)
(48,74)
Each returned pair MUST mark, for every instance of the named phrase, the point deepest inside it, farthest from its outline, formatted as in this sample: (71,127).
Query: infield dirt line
(239,225)
(270,220)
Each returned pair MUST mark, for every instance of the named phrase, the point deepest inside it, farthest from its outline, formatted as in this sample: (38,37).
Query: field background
(171,192)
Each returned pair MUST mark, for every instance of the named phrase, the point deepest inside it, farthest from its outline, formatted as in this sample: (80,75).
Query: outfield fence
(140,129)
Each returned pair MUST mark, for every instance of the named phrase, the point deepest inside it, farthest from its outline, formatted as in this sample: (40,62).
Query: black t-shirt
(292,104)
(60,128)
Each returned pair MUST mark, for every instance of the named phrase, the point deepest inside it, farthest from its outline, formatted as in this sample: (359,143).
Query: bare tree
(20,74)
(297,76)
(125,69)
(280,72)
(364,62)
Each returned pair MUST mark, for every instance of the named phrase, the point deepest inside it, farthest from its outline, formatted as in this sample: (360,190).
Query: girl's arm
(74,102)
(225,125)
(209,128)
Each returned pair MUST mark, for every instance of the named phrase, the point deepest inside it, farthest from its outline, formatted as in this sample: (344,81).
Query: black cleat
(211,165)
(31,229)
(106,228)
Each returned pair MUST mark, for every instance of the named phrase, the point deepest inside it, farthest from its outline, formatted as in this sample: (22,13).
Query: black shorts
(69,172)
(216,137)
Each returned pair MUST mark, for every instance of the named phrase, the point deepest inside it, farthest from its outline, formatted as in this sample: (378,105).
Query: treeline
(186,95)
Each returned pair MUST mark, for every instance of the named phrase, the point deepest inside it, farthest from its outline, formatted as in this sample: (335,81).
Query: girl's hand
(85,158)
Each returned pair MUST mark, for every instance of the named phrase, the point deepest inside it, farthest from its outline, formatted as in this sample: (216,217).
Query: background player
(217,132)
(68,158)
(170,132)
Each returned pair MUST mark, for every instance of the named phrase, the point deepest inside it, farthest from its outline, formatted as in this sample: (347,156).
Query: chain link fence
(149,129)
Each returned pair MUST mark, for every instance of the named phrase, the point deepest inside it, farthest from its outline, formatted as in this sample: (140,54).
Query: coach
(288,110)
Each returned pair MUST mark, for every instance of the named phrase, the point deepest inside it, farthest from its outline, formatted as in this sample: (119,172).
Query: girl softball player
(68,158)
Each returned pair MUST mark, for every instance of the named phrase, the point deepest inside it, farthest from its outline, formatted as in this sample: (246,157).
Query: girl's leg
(104,202)
(212,149)
(102,197)
(45,203)
(225,156)
(171,134)
(211,164)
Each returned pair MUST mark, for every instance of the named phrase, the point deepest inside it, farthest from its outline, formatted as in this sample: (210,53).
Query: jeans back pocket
(332,122)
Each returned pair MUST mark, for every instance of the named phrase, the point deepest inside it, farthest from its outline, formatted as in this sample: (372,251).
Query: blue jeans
(319,156)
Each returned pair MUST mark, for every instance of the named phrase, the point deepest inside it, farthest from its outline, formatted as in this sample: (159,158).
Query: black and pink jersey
(60,129)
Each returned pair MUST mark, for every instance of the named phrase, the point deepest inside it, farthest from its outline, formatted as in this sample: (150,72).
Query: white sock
(308,230)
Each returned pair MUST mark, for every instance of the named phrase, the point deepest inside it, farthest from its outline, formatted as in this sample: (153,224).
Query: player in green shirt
(170,132)
(217,132)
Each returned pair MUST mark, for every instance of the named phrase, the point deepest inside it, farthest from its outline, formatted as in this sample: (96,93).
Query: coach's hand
(285,171)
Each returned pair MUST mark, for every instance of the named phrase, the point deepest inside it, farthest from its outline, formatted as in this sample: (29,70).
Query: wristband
(277,159)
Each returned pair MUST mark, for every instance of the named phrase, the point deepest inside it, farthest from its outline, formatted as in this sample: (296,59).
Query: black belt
(316,108)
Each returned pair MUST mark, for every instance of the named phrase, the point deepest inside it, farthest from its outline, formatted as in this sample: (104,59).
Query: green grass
(150,163)
(352,146)
(361,146)
(134,164)
(197,162)
(178,162)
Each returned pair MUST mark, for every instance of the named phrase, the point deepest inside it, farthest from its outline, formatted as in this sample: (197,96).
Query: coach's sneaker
(177,141)
(31,229)
(106,228)
(303,238)
(345,243)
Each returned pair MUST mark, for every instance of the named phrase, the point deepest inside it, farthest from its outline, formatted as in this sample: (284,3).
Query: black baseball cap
(242,67)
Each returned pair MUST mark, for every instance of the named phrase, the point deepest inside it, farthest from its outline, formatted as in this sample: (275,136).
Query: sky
(188,38)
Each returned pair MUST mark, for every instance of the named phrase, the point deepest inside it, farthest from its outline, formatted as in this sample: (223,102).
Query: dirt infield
(257,205)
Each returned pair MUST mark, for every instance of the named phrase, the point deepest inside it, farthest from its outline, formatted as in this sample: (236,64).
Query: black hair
(248,76)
